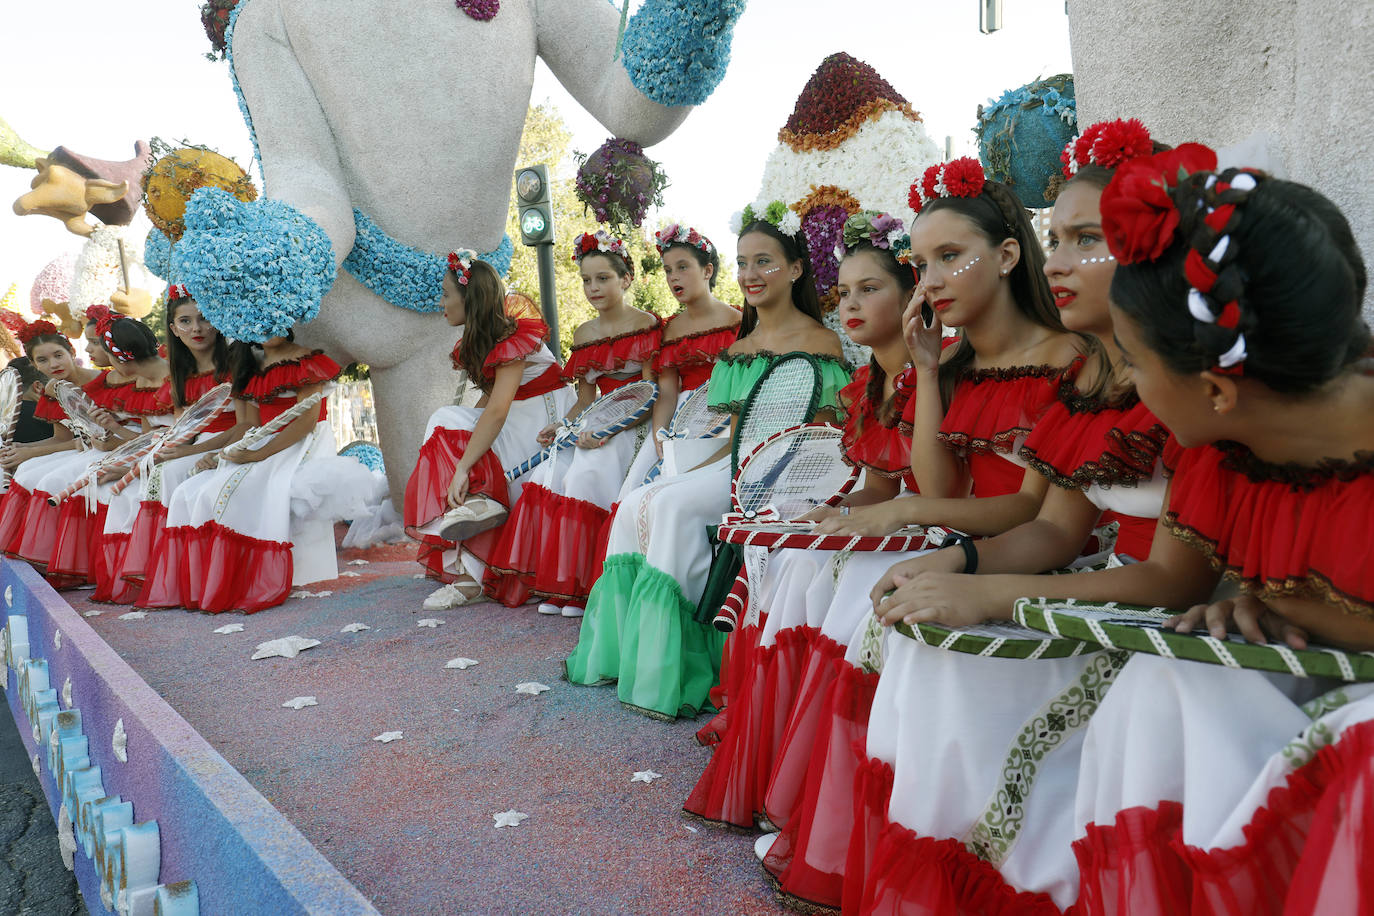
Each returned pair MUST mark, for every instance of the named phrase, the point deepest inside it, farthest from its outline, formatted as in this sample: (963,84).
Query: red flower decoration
(98,313)
(1138,213)
(913,197)
(1119,141)
(964,177)
(1078,151)
(36,329)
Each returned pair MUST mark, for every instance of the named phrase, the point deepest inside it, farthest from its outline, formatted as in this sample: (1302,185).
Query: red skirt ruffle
(793,759)
(110,585)
(76,546)
(736,668)
(148,532)
(213,568)
(811,856)
(547,547)
(38,530)
(427,496)
(1134,865)
(14,505)
(919,876)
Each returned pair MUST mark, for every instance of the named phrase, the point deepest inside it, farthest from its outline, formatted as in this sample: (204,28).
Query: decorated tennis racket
(1139,629)
(185,428)
(786,395)
(80,411)
(996,640)
(10,394)
(798,535)
(609,414)
(256,437)
(694,418)
(118,460)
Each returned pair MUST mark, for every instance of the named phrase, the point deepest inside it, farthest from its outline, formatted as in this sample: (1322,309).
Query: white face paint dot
(967,266)
(1097,260)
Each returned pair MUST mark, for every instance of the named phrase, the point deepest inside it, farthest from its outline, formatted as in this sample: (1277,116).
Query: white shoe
(455,594)
(474,516)
(550,609)
(763,844)
(571,610)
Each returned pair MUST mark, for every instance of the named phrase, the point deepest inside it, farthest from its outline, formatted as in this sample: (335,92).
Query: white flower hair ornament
(460,262)
(601,242)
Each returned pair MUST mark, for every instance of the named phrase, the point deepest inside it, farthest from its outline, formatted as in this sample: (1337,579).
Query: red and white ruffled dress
(958,839)
(230,533)
(79,553)
(14,504)
(542,398)
(766,660)
(548,544)
(1206,789)
(137,516)
(830,784)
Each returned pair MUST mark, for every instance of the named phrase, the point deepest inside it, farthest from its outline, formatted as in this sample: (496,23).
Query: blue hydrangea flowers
(676,51)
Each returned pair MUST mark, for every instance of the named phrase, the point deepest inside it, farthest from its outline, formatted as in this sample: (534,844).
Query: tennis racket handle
(122,483)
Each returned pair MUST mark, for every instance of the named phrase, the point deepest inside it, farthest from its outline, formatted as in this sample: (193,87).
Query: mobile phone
(927,315)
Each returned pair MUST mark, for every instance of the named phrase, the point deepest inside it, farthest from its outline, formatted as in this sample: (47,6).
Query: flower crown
(38,328)
(1141,218)
(777,214)
(177,292)
(94,313)
(1107,144)
(460,262)
(600,242)
(678,234)
(882,230)
(962,177)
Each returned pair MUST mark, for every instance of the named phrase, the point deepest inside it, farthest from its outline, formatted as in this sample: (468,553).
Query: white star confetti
(509,818)
(349,575)
(461,663)
(9,596)
(430,622)
(300,703)
(35,765)
(645,776)
(133,615)
(690,827)
(533,688)
(57,639)
(92,613)
(229,628)
(355,628)
(358,562)
(419,576)
(119,742)
(306,593)
(287,647)
(66,694)
(388,737)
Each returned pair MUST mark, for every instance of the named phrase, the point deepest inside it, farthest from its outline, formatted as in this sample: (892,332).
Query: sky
(73,74)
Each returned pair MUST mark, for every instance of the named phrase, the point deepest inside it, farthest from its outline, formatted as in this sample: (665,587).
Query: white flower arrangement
(97,274)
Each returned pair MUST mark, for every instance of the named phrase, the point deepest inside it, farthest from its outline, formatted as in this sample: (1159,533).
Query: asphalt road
(33,881)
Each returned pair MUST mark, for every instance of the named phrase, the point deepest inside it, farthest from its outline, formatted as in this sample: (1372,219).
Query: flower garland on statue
(602,242)
(678,234)
(676,51)
(406,276)
(618,183)
(1106,144)
(962,177)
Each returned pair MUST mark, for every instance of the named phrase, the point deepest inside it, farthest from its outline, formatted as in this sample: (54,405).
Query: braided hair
(1225,295)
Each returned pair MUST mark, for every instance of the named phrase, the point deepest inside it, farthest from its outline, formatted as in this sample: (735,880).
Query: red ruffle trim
(920,876)
(146,402)
(427,495)
(108,572)
(1106,446)
(732,788)
(150,527)
(48,409)
(613,354)
(872,792)
(1277,538)
(603,540)
(103,392)
(787,781)
(991,408)
(547,547)
(736,666)
(811,856)
(694,352)
(214,568)
(76,546)
(527,337)
(1134,866)
(868,443)
(291,375)
(14,507)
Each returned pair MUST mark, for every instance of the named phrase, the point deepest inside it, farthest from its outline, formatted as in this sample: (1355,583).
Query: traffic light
(535,207)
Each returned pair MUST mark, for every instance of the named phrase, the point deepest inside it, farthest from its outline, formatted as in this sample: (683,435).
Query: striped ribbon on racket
(609,414)
(186,427)
(694,418)
(116,461)
(256,436)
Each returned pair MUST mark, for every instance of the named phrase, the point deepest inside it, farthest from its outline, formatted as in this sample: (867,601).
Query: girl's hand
(11,456)
(547,435)
(939,561)
(821,513)
(1252,617)
(458,488)
(587,440)
(105,419)
(238,455)
(658,444)
(923,343)
(862,521)
(208,461)
(176,451)
(947,599)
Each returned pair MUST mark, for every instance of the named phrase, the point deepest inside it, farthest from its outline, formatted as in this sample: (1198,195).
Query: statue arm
(293,138)
(674,54)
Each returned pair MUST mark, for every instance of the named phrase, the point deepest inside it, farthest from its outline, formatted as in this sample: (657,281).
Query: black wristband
(970,551)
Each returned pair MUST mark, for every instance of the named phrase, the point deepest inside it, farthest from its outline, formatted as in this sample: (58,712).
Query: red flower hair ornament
(104,326)
(1138,212)
(460,262)
(1107,144)
(962,177)
(176,293)
(34,329)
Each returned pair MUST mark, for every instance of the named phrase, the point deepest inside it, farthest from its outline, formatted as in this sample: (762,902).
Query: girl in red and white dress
(255,522)
(548,545)
(458,495)
(140,406)
(53,355)
(1100,447)
(198,357)
(767,659)
(979,267)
